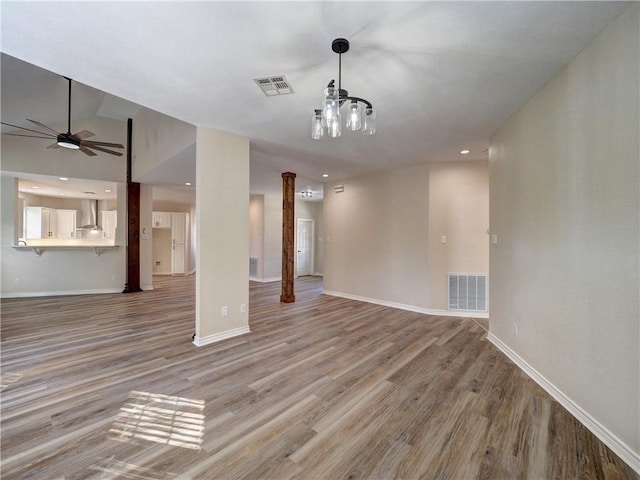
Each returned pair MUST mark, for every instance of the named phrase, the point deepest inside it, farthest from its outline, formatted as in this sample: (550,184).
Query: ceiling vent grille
(274,85)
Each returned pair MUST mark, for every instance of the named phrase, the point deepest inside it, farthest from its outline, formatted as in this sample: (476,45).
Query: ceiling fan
(75,141)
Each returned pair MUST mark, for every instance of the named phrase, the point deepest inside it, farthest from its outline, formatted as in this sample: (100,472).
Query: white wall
(376,237)
(272,237)
(156,138)
(458,210)
(382,234)
(222,163)
(60,271)
(265,235)
(256,232)
(565,206)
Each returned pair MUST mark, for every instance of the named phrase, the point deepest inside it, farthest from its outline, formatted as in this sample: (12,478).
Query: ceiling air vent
(274,85)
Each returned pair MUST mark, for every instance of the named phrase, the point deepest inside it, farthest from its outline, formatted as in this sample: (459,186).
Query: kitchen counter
(39,246)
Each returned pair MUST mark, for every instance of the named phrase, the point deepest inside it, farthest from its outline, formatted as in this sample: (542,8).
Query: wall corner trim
(609,439)
(218,337)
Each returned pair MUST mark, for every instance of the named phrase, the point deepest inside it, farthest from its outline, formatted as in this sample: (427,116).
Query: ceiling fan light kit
(67,142)
(72,141)
(360,113)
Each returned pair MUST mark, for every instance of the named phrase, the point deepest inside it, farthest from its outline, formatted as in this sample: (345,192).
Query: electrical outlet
(225,311)
(494,239)
(514,329)
(243,308)
(17,281)
(113,278)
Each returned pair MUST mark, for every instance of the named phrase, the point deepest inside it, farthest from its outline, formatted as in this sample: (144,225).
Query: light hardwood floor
(110,386)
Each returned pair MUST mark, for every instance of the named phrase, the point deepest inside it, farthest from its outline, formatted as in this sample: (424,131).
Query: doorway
(304,247)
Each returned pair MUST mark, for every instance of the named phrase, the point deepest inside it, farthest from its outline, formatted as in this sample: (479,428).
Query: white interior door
(304,240)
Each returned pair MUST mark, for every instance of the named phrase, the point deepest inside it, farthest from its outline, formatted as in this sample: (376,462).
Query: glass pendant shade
(369,127)
(360,113)
(317,130)
(354,117)
(331,105)
(333,127)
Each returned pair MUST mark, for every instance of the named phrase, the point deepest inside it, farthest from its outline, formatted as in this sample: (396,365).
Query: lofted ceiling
(443,76)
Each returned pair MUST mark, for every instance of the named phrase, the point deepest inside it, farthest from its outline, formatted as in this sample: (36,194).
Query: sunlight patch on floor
(160,418)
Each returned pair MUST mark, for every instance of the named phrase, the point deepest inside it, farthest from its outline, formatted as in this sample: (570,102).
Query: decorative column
(133,224)
(288,224)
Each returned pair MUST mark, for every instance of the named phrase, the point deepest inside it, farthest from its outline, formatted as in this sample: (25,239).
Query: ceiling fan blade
(89,143)
(28,130)
(54,145)
(86,151)
(42,125)
(119,154)
(82,135)
(31,136)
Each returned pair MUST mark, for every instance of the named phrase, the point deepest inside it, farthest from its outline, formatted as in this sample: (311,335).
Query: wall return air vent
(467,292)
(274,85)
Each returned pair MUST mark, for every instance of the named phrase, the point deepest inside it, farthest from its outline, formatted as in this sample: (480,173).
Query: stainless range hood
(90,215)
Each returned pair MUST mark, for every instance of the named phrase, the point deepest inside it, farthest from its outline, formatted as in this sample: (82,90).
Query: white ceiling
(443,76)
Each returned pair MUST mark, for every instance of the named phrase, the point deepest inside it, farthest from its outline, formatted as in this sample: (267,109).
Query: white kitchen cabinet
(39,222)
(179,245)
(66,223)
(161,219)
(178,259)
(109,223)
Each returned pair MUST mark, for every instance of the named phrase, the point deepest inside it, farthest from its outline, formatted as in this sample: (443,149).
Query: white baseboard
(318,274)
(410,308)
(146,287)
(265,280)
(609,439)
(217,337)
(57,293)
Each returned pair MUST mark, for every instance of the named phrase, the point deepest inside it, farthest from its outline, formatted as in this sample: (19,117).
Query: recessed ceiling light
(107,190)
(188,184)
(35,187)
(62,194)
(64,179)
(325,175)
(464,152)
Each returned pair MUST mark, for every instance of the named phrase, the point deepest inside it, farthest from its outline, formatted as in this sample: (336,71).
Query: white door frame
(312,246)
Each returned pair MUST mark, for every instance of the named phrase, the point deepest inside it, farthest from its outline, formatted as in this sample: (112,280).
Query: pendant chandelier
(360,113)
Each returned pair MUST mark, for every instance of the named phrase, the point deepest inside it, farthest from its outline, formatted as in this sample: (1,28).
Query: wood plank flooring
(111,387)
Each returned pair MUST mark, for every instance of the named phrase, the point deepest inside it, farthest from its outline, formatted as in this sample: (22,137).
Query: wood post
(132,252)
(288,235)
